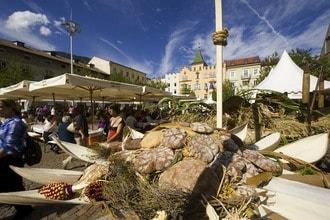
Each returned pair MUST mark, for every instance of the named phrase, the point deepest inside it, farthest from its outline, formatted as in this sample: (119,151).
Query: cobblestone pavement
(54,212)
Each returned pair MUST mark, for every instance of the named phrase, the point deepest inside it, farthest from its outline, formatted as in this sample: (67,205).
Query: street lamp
(72,28)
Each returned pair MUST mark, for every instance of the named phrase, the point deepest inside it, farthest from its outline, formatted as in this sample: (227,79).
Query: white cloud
(176,38)
(45,31)
(20,26)
(25,20)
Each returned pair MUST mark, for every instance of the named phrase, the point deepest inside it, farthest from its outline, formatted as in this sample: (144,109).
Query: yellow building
(198,79)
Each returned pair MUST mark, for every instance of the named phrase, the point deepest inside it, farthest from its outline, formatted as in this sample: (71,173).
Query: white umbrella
(71,86)
(19,90)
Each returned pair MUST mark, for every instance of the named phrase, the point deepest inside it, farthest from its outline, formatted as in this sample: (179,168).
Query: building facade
(44,64)
(199,79)
(110,67)
(243,73)
(172,82)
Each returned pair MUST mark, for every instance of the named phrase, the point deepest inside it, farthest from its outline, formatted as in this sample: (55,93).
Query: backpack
(32,152)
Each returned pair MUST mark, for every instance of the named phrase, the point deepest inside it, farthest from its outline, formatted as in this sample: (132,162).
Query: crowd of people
(15,125)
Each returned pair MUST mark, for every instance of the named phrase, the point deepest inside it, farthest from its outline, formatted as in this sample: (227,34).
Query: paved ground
(50,212)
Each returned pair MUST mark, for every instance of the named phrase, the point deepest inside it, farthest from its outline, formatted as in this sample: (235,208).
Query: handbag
(72,128)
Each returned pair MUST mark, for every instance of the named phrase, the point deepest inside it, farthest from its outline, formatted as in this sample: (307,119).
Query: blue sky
(162,36)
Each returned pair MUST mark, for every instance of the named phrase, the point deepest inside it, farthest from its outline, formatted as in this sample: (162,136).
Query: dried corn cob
(58,191)
(95,190)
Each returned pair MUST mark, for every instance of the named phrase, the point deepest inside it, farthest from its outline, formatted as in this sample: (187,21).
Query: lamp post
(71,28)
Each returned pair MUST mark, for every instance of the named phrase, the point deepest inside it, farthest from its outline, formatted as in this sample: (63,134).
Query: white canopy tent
(287,77)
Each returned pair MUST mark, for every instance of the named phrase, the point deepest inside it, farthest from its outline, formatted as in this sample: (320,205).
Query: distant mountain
(81,59)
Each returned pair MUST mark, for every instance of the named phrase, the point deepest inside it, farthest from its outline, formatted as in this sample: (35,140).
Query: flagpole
(218,27)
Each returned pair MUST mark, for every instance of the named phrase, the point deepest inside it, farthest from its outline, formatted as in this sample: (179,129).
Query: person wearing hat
(12,144)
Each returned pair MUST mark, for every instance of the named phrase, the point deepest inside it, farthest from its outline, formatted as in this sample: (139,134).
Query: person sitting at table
(81,125)
(27,119)
(50,127)
(131,120)
(63,133)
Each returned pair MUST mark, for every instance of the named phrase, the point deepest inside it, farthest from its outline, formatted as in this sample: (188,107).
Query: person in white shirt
(50,127)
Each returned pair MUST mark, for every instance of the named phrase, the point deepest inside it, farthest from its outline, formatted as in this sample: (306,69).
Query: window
(245,83)
(197,75)
(3,65)
(255,71)
(212,85)
(245,73)
(185,77)
(197,86)
(174,84)
(255,82)
(27,57)
(205,96)
(200,68)
(205,86)
(232,74)
(48,62)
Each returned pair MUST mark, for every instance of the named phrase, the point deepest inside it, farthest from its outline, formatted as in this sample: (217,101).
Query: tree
(157,83)
(301,57)
(316,63)
(267,65)
(228,90)
(14,72)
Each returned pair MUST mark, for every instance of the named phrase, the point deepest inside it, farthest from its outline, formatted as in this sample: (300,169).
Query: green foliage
(15,72)
(228,90)
(267,65)
(302,58)
(157,83)
(186,91)
(307,171)
(119,78)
